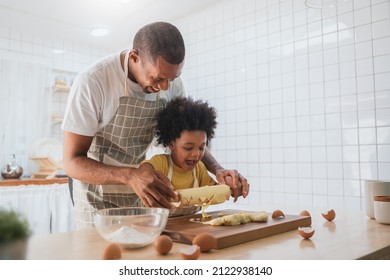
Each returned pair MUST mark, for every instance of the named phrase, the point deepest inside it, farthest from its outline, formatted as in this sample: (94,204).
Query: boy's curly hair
(185,114)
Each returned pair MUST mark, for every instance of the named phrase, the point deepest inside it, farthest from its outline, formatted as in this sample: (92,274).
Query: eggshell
(330,215)
(190,252)
(277,214)
(206,241)
(163,244)
(306,232)
(305,213)
(112,252)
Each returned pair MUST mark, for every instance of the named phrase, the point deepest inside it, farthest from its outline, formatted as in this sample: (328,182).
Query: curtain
(47,208)
(25,109)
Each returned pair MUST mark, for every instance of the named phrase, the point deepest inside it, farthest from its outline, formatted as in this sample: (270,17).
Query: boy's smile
(189,149)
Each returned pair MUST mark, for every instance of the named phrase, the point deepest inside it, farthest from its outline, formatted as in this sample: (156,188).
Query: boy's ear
(171,146)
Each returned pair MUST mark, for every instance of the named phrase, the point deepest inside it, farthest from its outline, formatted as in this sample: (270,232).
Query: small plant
(13,226)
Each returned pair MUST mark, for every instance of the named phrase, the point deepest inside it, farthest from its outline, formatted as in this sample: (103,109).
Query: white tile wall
(303,96)
(18,45)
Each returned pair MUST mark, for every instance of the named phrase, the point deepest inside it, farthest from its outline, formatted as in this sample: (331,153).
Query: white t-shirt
(95,92)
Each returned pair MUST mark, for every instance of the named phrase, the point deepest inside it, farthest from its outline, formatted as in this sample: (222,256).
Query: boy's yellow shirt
(181,179)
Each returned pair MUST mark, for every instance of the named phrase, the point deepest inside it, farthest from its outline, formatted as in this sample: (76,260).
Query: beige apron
(183,210)
(123,142)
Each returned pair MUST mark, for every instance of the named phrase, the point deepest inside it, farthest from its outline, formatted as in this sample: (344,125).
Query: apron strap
(170,172)
(126,66)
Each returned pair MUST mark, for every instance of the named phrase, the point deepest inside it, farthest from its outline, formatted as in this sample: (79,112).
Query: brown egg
(112,252)
(190,252)
(163,244)
(306,232)
(304,213)
(277,214)
(206,241)
(330,215)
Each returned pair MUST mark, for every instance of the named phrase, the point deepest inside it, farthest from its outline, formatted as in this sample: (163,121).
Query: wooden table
(352,235)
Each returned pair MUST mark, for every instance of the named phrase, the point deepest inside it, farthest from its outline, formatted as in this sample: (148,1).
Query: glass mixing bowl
(131,227)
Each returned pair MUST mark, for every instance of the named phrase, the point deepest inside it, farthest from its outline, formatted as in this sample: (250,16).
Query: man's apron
(183,210)
(123,142)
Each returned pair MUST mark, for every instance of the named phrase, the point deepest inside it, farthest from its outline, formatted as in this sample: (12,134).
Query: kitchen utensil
(374,188)
(49,148)
(183,229)
(47,167)
(382,209)
(131,227)
(201,196)
(11,170)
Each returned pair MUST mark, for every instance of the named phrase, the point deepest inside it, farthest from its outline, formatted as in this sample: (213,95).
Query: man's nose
(163,85)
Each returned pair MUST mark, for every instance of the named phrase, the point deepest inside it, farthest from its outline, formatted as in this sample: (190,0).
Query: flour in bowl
(129,235)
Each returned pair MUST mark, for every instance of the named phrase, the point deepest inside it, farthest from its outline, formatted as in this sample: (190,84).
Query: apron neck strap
(170,172)
(126,66)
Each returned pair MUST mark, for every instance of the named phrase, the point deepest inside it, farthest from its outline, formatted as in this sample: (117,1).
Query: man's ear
(134,56)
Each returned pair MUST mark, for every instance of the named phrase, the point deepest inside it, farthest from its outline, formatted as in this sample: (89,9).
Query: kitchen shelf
(60,89)
(56,118)
(32,181)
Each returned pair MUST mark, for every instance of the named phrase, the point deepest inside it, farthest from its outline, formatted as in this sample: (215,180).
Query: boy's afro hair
(185,114)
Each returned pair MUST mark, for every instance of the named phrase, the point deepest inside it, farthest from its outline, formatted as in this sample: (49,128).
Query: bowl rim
(99,211)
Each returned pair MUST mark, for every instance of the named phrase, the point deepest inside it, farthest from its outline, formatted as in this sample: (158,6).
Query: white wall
(303,96)
(21,47)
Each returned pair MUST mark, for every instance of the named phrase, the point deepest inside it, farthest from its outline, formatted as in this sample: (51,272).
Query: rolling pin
(201,196)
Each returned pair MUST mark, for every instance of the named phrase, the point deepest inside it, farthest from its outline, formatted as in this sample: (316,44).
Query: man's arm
(152,187)
(237,183)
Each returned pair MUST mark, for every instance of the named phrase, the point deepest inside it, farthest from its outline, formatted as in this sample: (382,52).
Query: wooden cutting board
(183,229)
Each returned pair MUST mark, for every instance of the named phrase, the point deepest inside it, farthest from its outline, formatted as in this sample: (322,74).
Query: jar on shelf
(60,81)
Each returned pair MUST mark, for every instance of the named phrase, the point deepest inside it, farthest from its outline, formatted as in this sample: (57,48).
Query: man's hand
(238,184)
(152,187)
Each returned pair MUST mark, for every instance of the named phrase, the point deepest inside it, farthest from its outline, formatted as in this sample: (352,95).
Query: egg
(306,232)
(112,252)
(305,213)
(163,244)
(277,214)
(190,252)
(206,241)
(330,215)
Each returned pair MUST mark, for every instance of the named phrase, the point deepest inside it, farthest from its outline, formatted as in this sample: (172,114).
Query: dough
(238,218)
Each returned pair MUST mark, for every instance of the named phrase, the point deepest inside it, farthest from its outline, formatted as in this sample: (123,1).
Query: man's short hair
(160,39)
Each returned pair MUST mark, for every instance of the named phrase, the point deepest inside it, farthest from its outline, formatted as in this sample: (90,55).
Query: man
(109,122)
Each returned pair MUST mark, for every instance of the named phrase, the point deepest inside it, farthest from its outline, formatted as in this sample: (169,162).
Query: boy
(186,127)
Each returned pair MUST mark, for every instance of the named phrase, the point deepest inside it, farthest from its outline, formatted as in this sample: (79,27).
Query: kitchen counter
(32,181)
(352,235)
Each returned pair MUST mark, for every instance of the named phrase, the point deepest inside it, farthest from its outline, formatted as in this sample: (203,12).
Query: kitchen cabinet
(45,203)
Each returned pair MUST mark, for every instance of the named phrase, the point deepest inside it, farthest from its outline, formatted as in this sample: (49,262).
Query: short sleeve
(82,113)
(159,162)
